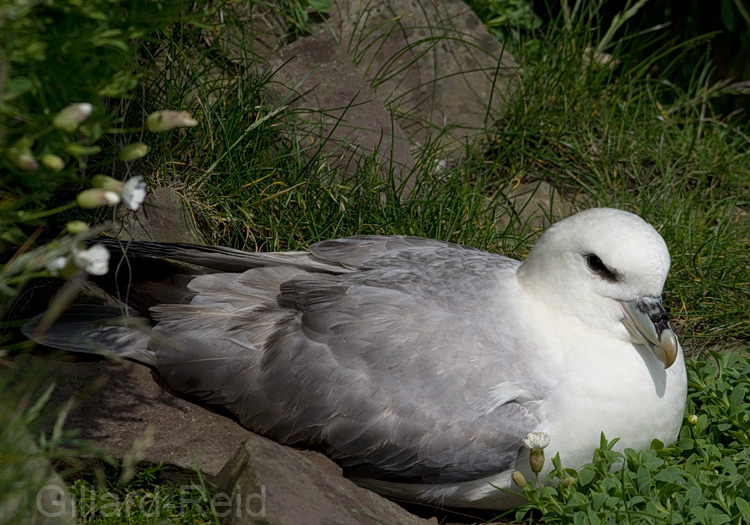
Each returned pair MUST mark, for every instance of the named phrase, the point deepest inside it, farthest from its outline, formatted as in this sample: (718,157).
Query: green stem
(28,216)
(6,283)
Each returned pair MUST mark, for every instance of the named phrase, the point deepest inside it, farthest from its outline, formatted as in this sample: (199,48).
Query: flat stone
(266,483)
(434,63)
(163,217)
(534,205)
(381,79)
(337,109)
(123,410)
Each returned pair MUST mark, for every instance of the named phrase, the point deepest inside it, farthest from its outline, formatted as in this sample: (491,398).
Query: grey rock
(123,410)
(163,217)
(434,63)
(338,110)
(383,79)
(533,205)
(266,483)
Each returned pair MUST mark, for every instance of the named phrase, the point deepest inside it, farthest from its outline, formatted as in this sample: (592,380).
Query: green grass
(618,137)
(103,496)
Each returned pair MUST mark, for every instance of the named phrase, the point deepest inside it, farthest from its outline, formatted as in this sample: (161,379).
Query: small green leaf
(586,475)
(322,6)
(644,479)
(693,495)
(744,508)
(598,500)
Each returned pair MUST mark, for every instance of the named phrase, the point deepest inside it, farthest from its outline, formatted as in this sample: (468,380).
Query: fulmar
(420,366)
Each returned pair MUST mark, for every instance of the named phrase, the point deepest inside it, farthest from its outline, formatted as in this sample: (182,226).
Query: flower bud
(53,162)
(536,442)
(72,116)
(96,197)
(76,227)
(23,159)
(133,151)
(692,419)
(536,460)
(107,183)
(518,478)
(168,119)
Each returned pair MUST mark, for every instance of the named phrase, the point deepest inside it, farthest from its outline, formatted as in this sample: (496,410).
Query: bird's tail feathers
(95,329)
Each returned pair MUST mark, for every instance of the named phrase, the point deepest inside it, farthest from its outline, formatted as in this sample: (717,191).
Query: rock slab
(268,484)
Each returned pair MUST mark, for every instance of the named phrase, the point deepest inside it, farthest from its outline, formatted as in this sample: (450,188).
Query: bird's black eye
(596,266)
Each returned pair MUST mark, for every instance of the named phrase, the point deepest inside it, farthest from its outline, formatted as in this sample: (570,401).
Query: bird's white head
(607,268)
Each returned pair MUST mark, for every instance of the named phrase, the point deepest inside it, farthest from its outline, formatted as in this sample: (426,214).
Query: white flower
(536,440)
(109,191)
(133,192)
(55,265)
(94,260)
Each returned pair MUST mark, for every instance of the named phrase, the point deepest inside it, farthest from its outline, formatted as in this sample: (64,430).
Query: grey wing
(216,257)
(387,367)
(331,256)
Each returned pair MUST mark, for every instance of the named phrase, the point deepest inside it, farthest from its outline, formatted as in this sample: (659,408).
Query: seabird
(419,365)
